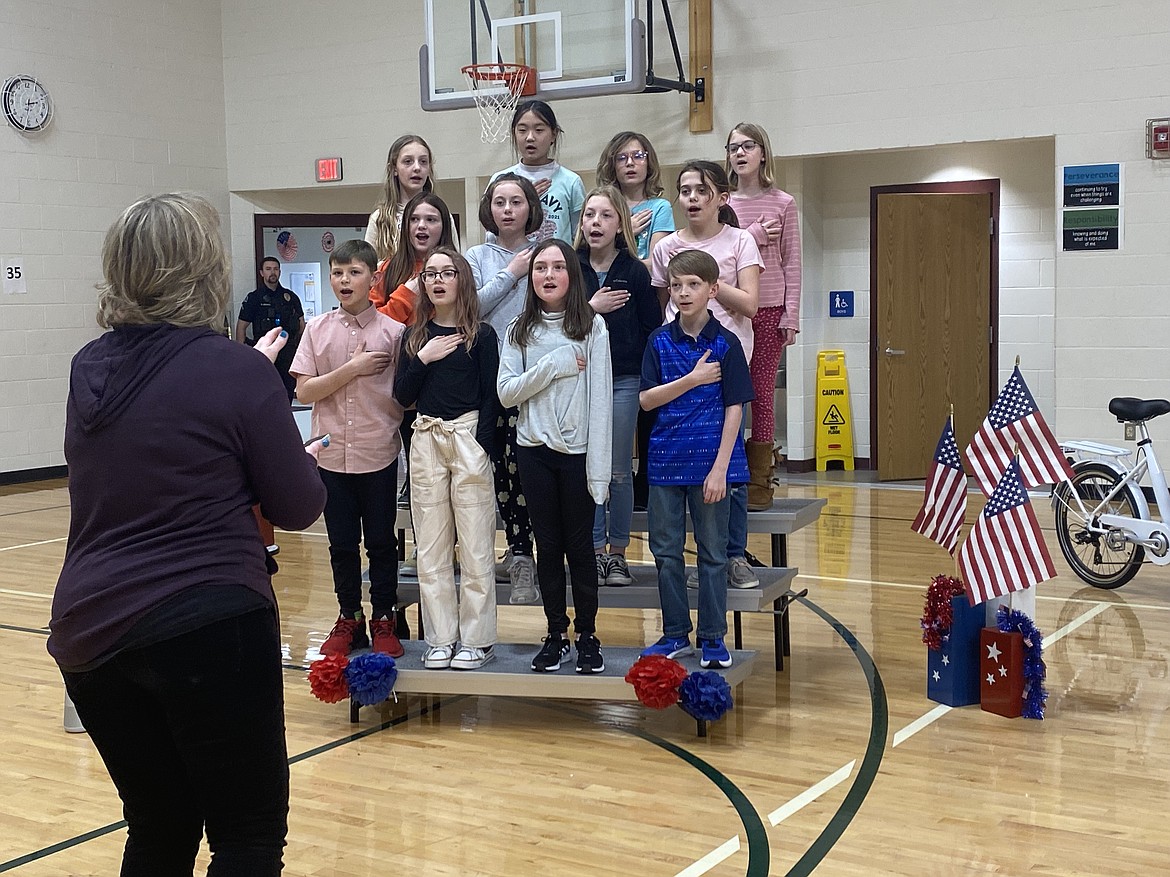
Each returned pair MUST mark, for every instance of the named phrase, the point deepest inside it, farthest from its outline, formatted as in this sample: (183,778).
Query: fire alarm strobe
(1157,138)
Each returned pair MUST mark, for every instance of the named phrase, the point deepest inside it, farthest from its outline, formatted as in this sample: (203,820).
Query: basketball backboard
(579,49)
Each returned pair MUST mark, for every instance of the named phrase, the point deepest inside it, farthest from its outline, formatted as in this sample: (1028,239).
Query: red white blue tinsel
(371,678)
(1035,694)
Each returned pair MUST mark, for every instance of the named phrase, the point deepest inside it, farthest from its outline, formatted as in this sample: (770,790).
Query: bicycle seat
(1130,410)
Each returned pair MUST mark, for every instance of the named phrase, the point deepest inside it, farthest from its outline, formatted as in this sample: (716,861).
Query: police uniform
(262,308)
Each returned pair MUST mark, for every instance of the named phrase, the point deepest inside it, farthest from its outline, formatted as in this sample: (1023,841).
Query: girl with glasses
(769,215)
(630,163)
(448,372)
(426,226)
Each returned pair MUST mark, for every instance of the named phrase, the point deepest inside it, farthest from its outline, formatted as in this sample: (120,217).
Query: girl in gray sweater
(555,365)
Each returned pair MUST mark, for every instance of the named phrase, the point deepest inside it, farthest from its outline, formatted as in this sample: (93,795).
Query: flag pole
(955,557)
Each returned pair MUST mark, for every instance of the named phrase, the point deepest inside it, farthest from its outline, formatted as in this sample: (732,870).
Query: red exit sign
(328,170)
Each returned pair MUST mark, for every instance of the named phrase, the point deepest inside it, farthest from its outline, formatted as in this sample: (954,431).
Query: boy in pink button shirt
(345,369)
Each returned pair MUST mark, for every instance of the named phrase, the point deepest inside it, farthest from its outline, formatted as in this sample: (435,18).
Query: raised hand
(518,267)
(440,347)
(706,371)
(271,343)
(370,362)
(641,221)
(607,300)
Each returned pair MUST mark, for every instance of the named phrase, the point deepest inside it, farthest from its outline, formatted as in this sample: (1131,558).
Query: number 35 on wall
(12,275)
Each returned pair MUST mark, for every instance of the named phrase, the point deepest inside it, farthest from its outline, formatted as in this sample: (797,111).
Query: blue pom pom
(371,678)
(705,695)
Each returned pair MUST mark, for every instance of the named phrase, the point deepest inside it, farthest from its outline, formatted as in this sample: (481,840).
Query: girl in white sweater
(555,365)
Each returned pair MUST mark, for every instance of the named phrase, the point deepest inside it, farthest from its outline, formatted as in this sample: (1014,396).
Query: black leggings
(562,521)
(510,499)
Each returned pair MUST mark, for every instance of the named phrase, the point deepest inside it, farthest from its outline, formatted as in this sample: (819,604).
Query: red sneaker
(384,637)
(347,634)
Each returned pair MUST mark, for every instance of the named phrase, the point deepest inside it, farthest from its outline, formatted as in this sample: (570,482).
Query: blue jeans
(621,484)
(737,520)
(667,515)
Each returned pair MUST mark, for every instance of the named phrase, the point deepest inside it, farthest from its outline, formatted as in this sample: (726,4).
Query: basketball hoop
(497,89)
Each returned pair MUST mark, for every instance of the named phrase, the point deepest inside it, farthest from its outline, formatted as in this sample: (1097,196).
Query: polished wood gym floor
(839,764)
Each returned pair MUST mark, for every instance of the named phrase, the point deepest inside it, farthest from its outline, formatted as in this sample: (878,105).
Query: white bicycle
(1103,520)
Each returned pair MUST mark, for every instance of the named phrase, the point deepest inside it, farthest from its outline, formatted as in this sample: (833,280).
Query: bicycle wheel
(1088,553)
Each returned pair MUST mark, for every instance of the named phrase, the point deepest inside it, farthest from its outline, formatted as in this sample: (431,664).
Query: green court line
(879,727)
(759,852)
(77,840)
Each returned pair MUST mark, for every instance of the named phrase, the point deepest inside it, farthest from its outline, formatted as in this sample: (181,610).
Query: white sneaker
(471,658)
(524,590)
(438,657)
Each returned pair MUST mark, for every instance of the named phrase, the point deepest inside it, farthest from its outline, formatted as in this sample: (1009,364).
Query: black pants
(192,733)
(562,511)
(363,508)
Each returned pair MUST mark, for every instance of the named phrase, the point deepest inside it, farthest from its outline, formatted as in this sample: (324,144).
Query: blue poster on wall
(1092,185)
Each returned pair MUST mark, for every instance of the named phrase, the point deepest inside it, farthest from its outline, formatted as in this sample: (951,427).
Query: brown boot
(759,455)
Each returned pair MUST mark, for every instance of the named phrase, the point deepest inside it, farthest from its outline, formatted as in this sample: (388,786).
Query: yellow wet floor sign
(834,420)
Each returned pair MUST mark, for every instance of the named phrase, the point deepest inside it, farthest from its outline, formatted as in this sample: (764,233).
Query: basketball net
(497,89)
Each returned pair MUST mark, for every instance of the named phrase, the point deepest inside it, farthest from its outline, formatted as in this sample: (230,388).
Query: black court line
(879,726)
(47,508)
(759,852)
(44,631)
(77,840)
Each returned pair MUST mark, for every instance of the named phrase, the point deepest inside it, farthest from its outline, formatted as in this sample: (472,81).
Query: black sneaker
(589,658)
(554,651)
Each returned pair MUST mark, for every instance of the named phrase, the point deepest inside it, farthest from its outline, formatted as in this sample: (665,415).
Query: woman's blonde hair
(163,262)
(758,134)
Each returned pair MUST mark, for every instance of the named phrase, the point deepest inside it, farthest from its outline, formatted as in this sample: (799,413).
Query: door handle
(892,352)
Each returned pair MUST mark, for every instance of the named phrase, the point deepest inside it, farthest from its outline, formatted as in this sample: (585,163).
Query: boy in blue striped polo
(695,373)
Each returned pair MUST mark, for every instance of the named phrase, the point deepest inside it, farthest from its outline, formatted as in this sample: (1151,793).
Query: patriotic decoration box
(1001,672)
(952,672)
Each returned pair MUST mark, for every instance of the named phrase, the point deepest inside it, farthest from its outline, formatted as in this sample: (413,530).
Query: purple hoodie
(171,436)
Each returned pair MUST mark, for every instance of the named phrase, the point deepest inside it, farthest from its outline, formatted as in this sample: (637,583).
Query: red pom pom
(327,679)
(937,615)
(656,679)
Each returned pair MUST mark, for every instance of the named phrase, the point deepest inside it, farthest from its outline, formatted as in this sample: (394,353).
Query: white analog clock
(26,102)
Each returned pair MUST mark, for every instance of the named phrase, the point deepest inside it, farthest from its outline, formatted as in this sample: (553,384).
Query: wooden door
(932,336)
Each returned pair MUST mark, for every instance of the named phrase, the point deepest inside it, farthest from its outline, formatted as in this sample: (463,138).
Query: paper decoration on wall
(286,246)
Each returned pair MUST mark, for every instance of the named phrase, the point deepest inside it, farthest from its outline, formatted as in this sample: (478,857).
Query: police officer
(263,308)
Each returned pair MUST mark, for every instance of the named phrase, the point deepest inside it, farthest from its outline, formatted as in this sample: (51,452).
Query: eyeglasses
(744,145)
(432,276)
(623,157)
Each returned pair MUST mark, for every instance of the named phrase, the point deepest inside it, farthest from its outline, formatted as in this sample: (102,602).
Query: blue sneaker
(715,654)
(669,647)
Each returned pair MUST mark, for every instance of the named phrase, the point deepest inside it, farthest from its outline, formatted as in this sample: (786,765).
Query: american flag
(286,245)
(1015,421)
(944,508)
(1005,551)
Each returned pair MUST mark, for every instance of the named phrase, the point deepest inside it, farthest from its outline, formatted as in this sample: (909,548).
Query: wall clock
(26,103)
